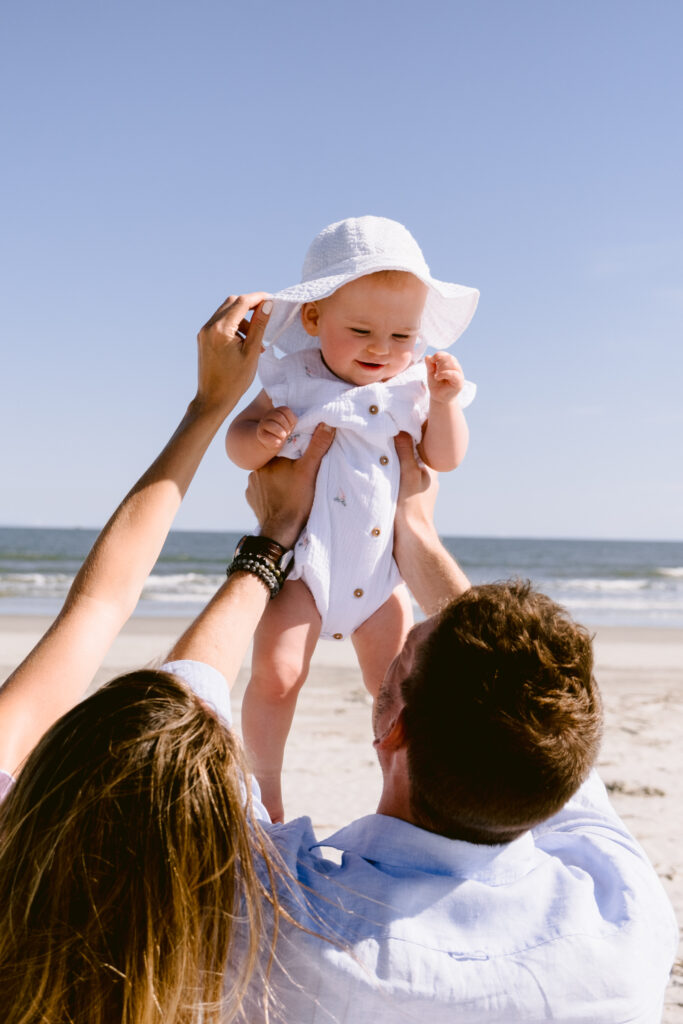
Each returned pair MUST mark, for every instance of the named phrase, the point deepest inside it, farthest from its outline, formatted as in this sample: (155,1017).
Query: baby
(353,334)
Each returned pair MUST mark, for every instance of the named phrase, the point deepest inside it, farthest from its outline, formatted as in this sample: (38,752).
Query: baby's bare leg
(283,646)
(380,638)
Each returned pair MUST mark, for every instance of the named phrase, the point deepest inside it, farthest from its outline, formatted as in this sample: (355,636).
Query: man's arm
(59,669)
(432,575)
(281,495)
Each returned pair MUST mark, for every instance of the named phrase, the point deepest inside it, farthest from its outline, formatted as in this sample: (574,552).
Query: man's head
(500,714)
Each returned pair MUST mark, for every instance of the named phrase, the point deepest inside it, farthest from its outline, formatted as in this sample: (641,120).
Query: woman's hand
(229,348)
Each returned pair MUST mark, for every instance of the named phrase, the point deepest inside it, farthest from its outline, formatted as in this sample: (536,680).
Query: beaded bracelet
(260,567)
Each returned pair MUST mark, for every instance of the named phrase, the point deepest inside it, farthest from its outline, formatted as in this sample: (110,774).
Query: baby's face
(368,328)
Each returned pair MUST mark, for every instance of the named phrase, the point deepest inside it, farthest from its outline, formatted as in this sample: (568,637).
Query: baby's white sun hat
(351,249)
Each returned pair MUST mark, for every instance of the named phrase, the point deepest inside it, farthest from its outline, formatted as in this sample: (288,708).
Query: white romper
(345,553)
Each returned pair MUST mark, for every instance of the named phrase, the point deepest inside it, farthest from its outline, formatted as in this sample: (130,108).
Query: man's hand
(445,377)
(229,348)
(416,494)
(428,569)
(281,492)
(275,427)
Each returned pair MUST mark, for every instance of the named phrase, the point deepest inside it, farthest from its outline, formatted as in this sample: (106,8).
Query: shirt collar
(395,843)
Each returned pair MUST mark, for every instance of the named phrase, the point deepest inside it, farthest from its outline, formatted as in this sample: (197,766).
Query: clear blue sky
(158,156)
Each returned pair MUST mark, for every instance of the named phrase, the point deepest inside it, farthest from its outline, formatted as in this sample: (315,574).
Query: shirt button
(337,636)
(358,592)
(373,410)
(383,460)
(376,532)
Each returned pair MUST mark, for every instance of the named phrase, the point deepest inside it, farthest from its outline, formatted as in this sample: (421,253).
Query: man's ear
(395,736)
(310,318)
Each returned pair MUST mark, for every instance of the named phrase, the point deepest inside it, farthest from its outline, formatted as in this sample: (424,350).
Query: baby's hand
(444,377)
(275,427)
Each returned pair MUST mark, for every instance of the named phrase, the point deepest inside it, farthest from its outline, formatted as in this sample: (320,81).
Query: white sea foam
(191,588)
(45,584)
(178,587)
(604,585)
(651,604)
(675,571)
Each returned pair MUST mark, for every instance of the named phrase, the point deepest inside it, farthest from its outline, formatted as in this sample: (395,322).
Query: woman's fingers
(235,309)
(229,347)
(255,327)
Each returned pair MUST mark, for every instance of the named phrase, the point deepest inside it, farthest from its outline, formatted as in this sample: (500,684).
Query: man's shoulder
(589,814)
(401,917)
(588,836)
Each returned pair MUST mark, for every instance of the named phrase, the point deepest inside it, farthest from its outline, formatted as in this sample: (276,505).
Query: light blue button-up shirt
(569,922)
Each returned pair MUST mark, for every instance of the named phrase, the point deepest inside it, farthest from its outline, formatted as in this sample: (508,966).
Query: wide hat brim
(448,307)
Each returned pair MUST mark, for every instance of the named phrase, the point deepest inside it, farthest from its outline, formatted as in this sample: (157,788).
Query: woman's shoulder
(6,783)
(206,682)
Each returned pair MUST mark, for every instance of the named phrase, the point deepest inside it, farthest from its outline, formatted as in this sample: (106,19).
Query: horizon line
(445,536)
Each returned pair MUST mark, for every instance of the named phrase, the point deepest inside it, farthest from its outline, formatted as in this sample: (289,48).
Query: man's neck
(395,798)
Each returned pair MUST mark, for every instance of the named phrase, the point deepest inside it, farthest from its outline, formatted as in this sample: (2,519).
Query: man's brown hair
(502,714)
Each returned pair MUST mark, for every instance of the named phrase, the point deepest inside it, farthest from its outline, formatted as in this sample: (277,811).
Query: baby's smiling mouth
(369,366)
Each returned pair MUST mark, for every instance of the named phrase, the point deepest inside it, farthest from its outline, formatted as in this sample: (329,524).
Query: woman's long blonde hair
(127,866)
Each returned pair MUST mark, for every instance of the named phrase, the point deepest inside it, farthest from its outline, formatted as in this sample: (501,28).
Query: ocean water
(601,582)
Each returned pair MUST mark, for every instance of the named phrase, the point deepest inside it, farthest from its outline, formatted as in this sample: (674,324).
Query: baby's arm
(445,434)
(258,433)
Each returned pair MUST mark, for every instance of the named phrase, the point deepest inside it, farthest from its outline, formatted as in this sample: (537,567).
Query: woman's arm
(433,576)
(103,595)
(258,433)
(281,495)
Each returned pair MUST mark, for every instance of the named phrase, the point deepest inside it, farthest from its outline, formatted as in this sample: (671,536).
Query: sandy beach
(330,770)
